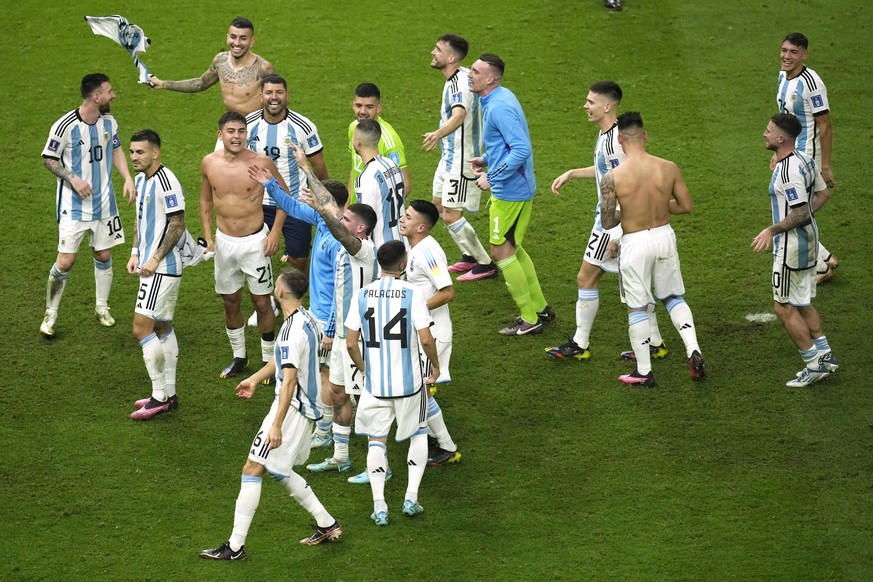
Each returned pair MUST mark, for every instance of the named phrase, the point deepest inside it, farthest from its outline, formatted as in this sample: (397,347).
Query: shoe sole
(454,459)
(471,276)
(143,414)
(332,536)
(644,382)
(49,333)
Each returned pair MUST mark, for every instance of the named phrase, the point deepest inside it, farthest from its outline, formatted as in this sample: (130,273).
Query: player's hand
(271,243)
(762,241)
(129,190)
(210,246)
(260,174)
(559,182)
(274,437)
(477,165)
(246,388)
(133,264)
(773,163)
(431,140)
(482,182)
(308,198)
(299,156)
(82,187)
(148,269)
(327,343)
(828,175)
(155,83)
(612,249)
(434,376)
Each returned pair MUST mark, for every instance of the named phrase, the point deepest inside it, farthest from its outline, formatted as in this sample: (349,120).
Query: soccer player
(459,136)
(649,190)
(793,235)
(270,131)
(426,268)
(803,94)
(380,185)
(509,161)
(160,224)
(601,252)
(238,71)
(391,317)
(355,267)
(368,105)
(321,279)
(243,244)
(81,150)
(284,436)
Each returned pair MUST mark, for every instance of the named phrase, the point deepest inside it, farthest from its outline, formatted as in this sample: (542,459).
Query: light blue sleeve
(291,206)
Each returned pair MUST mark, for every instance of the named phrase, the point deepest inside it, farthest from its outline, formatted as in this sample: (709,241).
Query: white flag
(130,36)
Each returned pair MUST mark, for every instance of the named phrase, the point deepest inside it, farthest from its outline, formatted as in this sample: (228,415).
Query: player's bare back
(644,186)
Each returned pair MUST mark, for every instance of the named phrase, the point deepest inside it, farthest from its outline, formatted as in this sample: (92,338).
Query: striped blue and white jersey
(85,150)
(273,140)
(427,269)
(297,347)
(381,187)
(353,272)
(466,141)
(804,96)
(157,198)
(608,154)
(795,179)
(389,312)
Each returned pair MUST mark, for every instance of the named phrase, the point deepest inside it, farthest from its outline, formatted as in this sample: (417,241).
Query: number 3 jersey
(274,140)
(86,151)
(158,197)
(389,312)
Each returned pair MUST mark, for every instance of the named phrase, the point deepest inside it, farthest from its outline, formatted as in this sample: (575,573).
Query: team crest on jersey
(817,101)
(791,194)
(105,136)
(793,97)
(54,145)
(288,140)
(172,202)
(312,141)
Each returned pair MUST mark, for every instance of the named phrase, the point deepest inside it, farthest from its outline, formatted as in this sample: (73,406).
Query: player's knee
(253,469)
(65,261)
(262,303)
(103,255)
(450,215)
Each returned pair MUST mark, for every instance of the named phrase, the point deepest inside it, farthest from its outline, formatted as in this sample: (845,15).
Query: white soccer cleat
(253,320)
(47,327)
(104,317)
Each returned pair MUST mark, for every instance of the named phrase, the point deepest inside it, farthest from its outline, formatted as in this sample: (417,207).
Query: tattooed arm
(174,232)
(204,81)
(57,168)
(798,216)
(609,206)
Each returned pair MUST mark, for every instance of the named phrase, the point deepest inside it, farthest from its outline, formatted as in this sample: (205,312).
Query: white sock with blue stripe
(102,282)
(246,506)
(377,468)
(587,304)
(437,426)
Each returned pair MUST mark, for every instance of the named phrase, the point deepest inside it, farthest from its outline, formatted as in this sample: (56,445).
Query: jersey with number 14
(389,312)
(608,154)
(157,198)
(466,141)
(274,140)
(795,179)
(85,150)
(297,347)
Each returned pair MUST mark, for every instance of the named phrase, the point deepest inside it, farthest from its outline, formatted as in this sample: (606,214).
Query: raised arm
(204,81)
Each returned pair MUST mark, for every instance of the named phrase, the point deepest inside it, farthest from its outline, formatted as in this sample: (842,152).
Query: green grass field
(566,474)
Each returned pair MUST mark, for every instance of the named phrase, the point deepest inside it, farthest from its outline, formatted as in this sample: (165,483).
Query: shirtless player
(649,190)
(243,244)
(238,71)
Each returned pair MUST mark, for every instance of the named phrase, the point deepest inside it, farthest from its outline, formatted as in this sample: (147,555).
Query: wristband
(134,252)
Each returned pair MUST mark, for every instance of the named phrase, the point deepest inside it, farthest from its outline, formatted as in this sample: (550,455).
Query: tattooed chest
(241,77)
